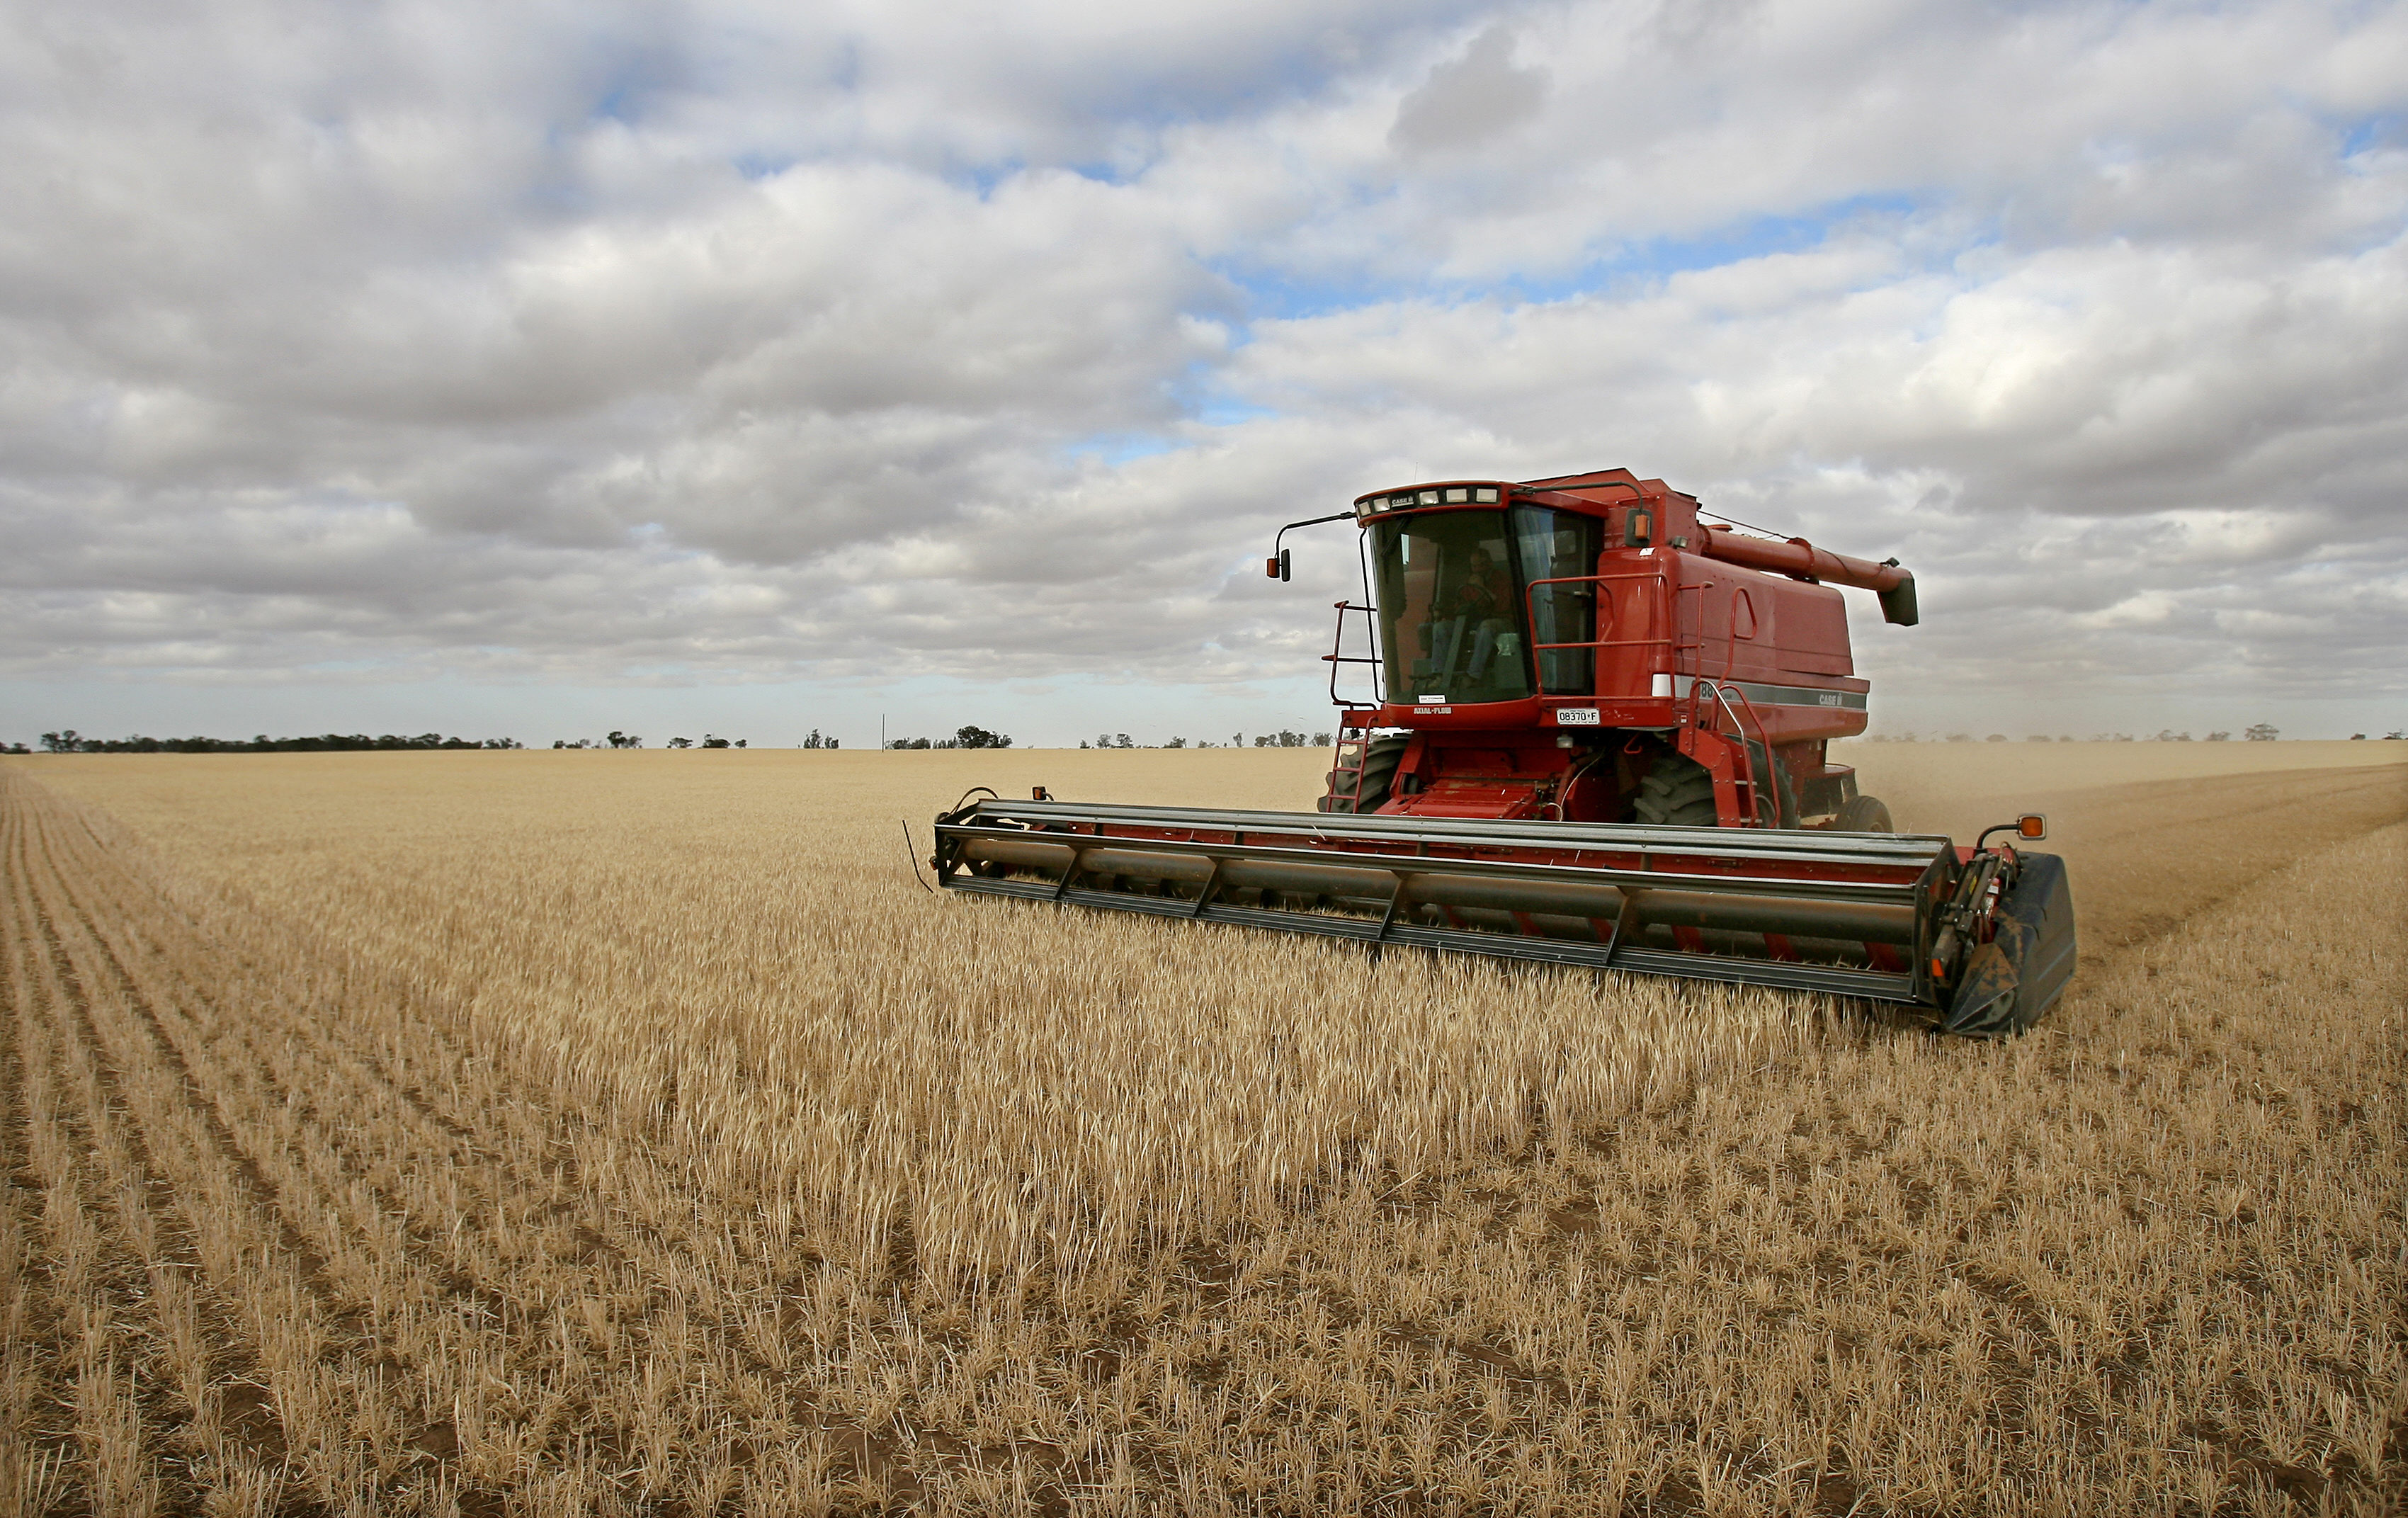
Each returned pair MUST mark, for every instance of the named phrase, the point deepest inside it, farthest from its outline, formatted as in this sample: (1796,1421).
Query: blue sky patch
(1277,295)
(1118,448)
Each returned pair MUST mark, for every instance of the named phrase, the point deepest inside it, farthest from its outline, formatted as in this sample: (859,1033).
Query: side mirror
(1275,566)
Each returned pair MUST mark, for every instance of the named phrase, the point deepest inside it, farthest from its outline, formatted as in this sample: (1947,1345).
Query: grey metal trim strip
(1781,845)
(1779,695)
(1653,880)
(1829,980)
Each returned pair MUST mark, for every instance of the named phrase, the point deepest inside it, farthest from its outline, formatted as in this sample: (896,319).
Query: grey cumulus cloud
(1471,98)
(713,343)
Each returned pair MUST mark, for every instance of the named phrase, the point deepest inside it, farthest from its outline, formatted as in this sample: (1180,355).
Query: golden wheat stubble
(632,1152)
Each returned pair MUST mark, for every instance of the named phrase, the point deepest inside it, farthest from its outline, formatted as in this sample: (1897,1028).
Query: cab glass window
(1451,619)
(1561,547)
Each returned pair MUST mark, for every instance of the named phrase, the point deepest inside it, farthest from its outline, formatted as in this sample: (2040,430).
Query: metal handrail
(1747,760)
(1337,656)
(1755,788)
(1765,790)
(1671,639)
(1670,642)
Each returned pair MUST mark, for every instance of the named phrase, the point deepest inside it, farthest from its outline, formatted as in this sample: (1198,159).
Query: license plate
(1576,716)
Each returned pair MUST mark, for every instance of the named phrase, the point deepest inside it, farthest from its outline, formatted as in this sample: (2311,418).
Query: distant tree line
(67,741)
(964,738)
(629,741)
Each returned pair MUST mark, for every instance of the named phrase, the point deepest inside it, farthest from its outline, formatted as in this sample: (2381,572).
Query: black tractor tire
(1379,776)
(1784,795)
(1863,814)
(1678,792)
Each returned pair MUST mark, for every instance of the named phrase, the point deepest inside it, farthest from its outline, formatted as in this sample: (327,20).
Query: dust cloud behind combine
(2152,833)
(564,1132)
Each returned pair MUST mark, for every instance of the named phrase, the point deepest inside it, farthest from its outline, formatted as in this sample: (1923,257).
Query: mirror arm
(1310,522)
(1277,564)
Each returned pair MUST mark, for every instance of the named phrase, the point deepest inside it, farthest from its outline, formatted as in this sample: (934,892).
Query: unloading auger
(1596,735)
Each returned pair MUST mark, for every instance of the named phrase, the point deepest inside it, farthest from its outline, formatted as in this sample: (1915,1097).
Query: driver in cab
(1483,601)
(1483,593)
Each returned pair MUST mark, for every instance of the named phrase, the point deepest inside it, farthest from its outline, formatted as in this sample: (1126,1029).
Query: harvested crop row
(354,1284)
(240,1334)
(99,1238)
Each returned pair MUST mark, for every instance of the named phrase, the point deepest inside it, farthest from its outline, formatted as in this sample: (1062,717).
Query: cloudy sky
(545,368)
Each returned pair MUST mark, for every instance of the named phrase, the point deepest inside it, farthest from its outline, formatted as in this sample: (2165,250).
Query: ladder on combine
(1345,780)
(1354,755)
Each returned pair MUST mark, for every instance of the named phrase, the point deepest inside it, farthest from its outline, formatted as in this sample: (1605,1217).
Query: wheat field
(567,1132)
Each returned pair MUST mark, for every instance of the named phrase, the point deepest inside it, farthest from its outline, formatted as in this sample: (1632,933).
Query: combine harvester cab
(1596,734)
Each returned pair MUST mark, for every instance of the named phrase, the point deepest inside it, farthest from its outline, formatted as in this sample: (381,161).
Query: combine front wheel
(1379,775)
(1863,814)
(1678,792)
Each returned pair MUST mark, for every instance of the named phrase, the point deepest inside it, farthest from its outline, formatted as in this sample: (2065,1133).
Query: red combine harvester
(1596,735)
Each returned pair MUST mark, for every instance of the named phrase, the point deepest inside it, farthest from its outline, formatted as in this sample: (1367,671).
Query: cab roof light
(1406,499)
